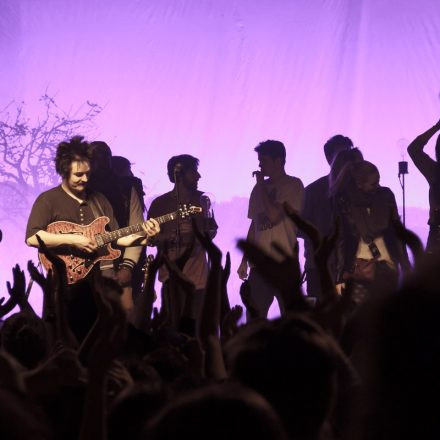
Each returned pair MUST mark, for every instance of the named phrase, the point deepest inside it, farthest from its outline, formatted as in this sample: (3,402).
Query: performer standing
(176,236)
(269,223)
(368,249)
(127,206)
(430,169)
(122,168)
(318,210)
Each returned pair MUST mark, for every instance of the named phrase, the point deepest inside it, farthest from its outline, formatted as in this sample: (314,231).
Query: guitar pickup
(99,240)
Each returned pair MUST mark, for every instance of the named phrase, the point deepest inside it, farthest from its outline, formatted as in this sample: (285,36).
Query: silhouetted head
(271,158)
(404,381)
(24,336)
(363,176)
(339,163)
(273,149)
(133,407)
(20,420)
(366,176)
(217,413)
(353,155)
(185,168)
(74,150)
(292,363)
(336,144)
(121,166)
(101,156)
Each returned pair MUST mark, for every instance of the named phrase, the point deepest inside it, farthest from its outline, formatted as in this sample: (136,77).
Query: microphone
(178,167)
(177,170)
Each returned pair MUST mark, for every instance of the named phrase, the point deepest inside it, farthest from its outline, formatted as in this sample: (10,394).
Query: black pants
(262,294)
(433,244)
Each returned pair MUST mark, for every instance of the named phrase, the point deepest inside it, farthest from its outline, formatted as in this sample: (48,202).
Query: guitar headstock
(187,210)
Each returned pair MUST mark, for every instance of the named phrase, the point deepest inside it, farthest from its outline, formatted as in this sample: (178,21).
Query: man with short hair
(177,236)
(269,223)
(318,210)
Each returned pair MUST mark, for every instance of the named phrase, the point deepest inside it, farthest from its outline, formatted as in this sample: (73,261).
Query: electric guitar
(78,263)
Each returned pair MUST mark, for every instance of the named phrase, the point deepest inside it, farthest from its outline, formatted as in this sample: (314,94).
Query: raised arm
(425,164)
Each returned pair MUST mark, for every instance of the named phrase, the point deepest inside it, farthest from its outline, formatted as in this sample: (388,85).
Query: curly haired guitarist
(72,202)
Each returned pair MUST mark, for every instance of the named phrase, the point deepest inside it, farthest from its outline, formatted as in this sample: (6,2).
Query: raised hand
(227,269)
(107,334)
(17,291)
(181,291)
(210,315)
(36,275)
(229,325)
(308,228)
(104,341)
(284,275)
(48,288)
(225,306)
(323,247)
(213,251)
(182,280)
(118,378)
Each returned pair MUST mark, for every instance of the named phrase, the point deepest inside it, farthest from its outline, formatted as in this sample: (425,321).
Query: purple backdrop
(213,78)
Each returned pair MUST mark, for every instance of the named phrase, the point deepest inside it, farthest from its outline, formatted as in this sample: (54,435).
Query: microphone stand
(177,182)
(403,169)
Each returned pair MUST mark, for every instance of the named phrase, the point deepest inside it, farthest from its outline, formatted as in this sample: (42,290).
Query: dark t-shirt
(318,211)
(196,268)
(56,205)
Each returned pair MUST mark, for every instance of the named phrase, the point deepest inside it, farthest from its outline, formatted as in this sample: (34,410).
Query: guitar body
(79,264)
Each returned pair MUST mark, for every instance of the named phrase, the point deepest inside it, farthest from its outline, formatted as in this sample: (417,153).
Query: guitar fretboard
(108,237)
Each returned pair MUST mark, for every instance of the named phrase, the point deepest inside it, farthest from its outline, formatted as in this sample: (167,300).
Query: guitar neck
(108,237)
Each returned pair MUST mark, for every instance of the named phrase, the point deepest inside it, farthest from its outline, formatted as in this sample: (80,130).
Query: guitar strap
(96,207)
